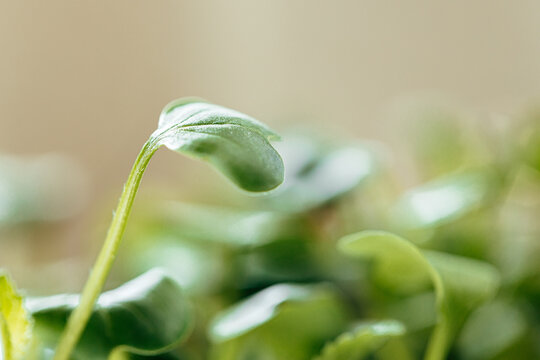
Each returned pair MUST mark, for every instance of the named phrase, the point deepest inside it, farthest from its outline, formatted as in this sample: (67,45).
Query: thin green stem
(438,342)
(80,316)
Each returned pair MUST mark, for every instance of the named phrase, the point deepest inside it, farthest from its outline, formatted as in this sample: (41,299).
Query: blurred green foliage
(450,273)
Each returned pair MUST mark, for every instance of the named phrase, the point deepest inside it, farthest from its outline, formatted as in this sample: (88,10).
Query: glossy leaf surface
(444,200)
(234,143)
(15,322)
(316,174)
(145,316)
(282,321)
(460,284)
(360,342)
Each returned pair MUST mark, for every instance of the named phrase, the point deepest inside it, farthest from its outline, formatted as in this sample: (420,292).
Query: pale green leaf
(227,226)
(439,142)
(460,284)
(316,174)
(35,189)
(266,306)
(200,268)
(364,339)
(491,329)
(234,143)
(416,312)
(444,200)
(530,140)
(15,322)
(282,321)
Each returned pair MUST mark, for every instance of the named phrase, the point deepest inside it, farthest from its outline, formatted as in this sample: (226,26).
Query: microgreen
(451,274)
(460,284)
(146,316)
(234,143)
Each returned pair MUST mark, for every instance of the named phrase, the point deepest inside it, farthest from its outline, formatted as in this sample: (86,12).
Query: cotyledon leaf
(316,174)
(235,143)
(266,306)
(445,199)
(147,316)
(460,284)
(361,341)
(283,321)
(15,322)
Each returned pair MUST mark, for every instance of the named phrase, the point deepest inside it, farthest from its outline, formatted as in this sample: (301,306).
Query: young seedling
(460,284)
(234,143)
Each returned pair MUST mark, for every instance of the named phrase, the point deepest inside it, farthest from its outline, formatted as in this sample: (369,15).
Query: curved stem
(80,316)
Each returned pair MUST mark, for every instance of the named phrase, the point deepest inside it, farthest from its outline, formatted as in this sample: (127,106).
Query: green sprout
(234,143)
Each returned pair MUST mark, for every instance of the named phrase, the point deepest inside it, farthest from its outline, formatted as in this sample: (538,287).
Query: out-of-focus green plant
(33,189)
(460,284)
(362,340)
(342,262)
(15,322)
(234,143)
(317,173)
(145,316)
(262,326)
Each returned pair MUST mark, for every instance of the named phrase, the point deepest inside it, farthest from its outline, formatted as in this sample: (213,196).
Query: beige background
(89,77)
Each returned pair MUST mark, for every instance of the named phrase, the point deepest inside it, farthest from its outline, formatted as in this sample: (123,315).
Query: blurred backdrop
(88,79)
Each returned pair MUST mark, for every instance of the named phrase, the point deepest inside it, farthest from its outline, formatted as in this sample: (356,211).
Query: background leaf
(204,247)
(147,315)
(227,226)
(316,173)
(361,341)
(283,321)
(15,322)
(445,199)
(35,189)
(460,284)
(492,329)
